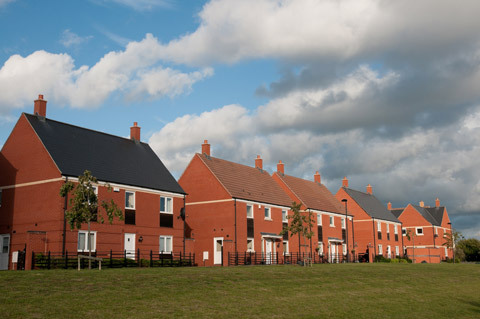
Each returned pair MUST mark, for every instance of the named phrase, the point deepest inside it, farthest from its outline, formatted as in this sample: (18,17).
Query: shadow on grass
(475,304)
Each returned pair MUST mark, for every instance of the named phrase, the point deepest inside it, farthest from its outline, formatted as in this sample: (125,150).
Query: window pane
(284,215)
(129,200)
(319,219)
(81,241)
(169,205)
(249,211)
(168,244)
(267,212)
(162,243)
(249,244)
(5,244)
(162,204)
(91,242)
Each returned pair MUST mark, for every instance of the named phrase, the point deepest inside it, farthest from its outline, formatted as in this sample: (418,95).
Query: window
(436,231)
(388,231)
(166,205)
(285,246)
(344,248)
(0,198)
(166,220)
(249,211)
(404,232)
(320,233)
(380,250)
(250,246)
(130,200)
(419,231)
(395,229)
(165,245)
(332,221)
(284,216)
(343,223)
(319,219)
(5,244)
(268,213)
(379,226)
(397,251)
(320,248)
(446,251)
(83,246)
(250,227)
(129,217)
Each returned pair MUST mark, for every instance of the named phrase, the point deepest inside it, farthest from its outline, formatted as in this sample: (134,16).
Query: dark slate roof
(433,215)
(110,158)
(397,212)
(371,205)
(245,182)
(313,195)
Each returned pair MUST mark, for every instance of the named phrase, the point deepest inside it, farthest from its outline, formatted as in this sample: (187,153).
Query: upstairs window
(395,229)
(284,216)
(332,221)
(268,213)
(379,226)
(249,211)
(419,231)
(404,232)
(343,223)
(166,205)
(129,200)
(319,219)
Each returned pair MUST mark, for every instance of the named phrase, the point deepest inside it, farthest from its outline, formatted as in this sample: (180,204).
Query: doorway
(129,245)
(217,250)
(4,251)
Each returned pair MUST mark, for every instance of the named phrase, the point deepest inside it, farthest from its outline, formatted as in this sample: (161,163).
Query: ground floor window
(446,251)
(250,246)
(380,250)
(285,246)
(165,244)
(344,248)
(397,251)
(320,248)
(85,245)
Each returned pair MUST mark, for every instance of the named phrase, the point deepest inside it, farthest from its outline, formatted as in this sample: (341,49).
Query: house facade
(41,154)
(331,225)
(377,231)
(428,228)
(234,209)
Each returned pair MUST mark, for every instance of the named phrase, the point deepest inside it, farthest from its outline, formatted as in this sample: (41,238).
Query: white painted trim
(262,204)
(210,202)
(44,181)
(131,188)
(328,213)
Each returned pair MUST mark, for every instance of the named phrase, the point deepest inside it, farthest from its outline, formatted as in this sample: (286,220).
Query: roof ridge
(82,128)
(221,159)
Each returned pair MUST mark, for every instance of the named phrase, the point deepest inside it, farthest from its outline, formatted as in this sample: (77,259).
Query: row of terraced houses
(220,212)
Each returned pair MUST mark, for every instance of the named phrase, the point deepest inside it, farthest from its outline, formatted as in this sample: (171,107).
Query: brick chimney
(206,148)
(280,167)
(369,189)
(40,106)
(345,182)
(258,162)
(389,206)
(316,177)
(437,202)
(135,132)
(422,204)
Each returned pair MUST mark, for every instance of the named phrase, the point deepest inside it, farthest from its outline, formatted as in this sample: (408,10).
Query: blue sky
(384,93)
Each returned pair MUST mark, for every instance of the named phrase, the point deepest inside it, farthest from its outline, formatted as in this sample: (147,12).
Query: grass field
(333,291)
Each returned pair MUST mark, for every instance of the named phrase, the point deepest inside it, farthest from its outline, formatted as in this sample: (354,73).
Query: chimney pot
(369,189)
(317,177)
(206,148)
(135,132)
(389,206)
(422,204)
(437,202)
(345,182)
(281,167)
(40,106)
(258,162)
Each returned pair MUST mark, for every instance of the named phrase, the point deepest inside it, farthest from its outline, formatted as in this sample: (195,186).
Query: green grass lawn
(333,291)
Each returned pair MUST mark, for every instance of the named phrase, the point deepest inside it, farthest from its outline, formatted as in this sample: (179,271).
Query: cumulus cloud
(134,71)
(140,5)
(69,39)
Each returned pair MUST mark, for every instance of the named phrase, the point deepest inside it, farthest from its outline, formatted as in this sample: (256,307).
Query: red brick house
(41,154)
(428,227)
(331,228)
(234,208)
(376,229)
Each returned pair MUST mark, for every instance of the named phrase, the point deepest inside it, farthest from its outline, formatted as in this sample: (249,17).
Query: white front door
(268,251)
(129,245)
(217,250)
(4,250)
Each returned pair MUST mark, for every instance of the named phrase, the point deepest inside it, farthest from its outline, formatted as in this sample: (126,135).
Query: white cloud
(134,70)
(232,30)
(141,5)
(3,3)
(70,39)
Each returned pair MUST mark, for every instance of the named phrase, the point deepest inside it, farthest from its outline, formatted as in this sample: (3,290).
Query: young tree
(300,224)
(84,205)
(451,240)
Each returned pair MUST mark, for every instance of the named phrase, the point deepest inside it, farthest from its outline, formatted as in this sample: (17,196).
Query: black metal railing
(112,259)
(254,258)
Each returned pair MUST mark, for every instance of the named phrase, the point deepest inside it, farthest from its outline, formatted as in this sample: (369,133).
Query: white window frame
(166,199)
(344,249)
(404,232)
(129,192)
(380,249)
(284,216)
(416,231)
(165,250)
(397,251)
(446,251)
(388,228)
(436,231)
(285,247)
(343,223)
(320,248)
(395,229)
(85,242)
(269,215)
(251,209)
(379,226)
(319,219)
(253,245)
(332,221)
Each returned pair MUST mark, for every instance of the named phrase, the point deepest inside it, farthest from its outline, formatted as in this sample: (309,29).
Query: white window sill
(269,219)
(170,213)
